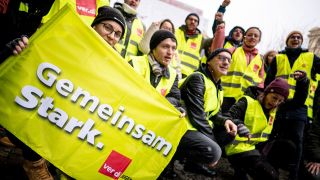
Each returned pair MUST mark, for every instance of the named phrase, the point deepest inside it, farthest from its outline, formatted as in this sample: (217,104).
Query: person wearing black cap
(202,95)
(254,113)
(109,24)
(190,42)
(294,117)
(154,67)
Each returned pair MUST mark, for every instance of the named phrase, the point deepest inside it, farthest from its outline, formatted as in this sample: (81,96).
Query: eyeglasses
(295,37)
(108,28)
(224,58)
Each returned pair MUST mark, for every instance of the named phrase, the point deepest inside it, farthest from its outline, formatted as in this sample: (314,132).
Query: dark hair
(169,21)
(245,33)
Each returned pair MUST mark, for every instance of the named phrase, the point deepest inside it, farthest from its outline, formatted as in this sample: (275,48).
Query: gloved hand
(243,131)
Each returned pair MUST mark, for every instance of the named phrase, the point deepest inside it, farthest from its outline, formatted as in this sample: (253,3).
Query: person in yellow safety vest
(202,94)
(155,67)
(190,42)
(87,9)
(251,152)
(166,24)
(294,117)
(110,25)
(246,69)
(134,32)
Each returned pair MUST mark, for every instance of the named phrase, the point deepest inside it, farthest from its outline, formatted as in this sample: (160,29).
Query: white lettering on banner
(86,10)
(61,119)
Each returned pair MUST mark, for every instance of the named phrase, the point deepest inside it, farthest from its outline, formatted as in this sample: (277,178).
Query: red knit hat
(279,86)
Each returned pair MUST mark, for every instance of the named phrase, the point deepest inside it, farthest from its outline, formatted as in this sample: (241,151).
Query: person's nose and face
(237,34)
(295,41)
(133,3)
(273,100)
(192,23)
(220,64)
(270,57)
(164,52)
(252,38)
(167,26)
(110,31)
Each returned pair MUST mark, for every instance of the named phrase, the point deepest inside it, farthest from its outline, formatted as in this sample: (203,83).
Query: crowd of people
(259,111)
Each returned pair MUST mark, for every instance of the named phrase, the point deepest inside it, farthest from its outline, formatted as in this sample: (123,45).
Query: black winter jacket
(294,109)
(192,93)
(312,142)
(238,110)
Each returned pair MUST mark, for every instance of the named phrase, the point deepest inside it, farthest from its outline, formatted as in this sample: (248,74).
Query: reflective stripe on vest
(189,52)
(260,128)
(87,9)
(304,62)
(128,45)
(240,75)
(142,67)
(24,7)
(212,100)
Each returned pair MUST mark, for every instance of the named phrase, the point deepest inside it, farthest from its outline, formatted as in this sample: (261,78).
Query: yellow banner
(76,102)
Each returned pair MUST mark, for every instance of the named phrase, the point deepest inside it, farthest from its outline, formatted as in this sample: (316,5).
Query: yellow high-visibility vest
(304,62)
(142,67)
(189,51)
(260,128)
(128,45)
(86,9)
(212,100)
(240,75)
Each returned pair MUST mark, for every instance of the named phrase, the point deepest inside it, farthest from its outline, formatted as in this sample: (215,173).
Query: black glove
(243,131)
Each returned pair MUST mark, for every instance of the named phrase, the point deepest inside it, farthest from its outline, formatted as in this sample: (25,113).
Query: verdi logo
(115,165)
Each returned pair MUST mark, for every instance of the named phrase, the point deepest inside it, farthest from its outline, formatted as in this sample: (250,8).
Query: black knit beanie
(193,14)
(216,52)
(159,36)
(109,13)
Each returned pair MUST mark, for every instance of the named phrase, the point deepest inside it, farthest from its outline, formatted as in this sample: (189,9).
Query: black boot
(199,168)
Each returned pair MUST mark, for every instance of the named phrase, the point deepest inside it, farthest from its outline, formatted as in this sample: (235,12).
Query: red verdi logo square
(193,45)
(115,165)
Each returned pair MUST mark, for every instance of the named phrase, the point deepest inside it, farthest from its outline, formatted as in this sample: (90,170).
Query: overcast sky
(276,18)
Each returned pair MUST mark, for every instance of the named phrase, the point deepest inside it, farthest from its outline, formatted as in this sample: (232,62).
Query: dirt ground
(223,169)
